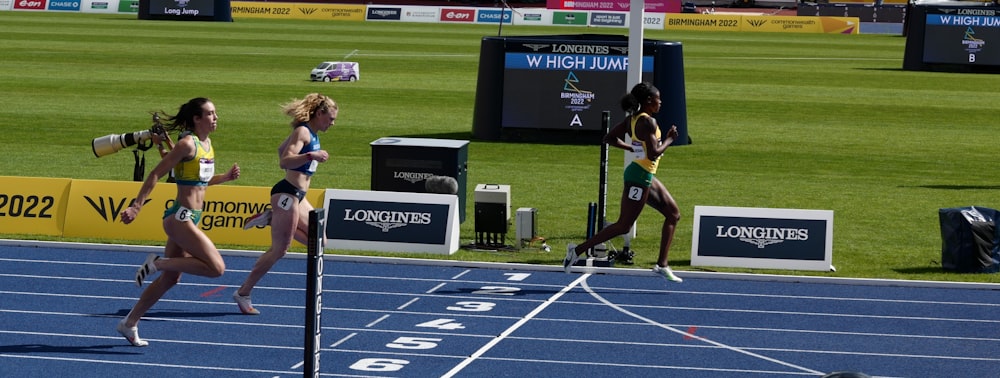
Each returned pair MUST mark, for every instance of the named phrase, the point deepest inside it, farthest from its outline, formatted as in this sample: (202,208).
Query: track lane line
(515,326)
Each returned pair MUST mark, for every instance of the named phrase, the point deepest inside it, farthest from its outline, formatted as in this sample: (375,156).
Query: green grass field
(800,121)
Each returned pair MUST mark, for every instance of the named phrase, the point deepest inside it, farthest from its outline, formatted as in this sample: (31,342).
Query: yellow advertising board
(33,205)
(95,208)
(314,11)
(755,23)
(94,211)
(704,22)
(802,24)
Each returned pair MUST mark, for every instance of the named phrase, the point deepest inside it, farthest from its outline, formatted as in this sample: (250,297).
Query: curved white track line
(586,287)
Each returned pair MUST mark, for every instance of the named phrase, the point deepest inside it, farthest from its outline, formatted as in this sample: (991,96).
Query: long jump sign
(762,238)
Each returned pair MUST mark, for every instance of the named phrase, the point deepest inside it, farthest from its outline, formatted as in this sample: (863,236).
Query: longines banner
(391,221)
(762,238)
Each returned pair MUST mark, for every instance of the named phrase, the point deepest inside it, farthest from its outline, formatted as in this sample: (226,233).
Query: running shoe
(245,306)
(666,273)
(131,334)
(258,220)
(147,269)
(571,257)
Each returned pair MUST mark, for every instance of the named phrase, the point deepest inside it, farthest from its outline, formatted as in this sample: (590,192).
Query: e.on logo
(457,15)
(30,4)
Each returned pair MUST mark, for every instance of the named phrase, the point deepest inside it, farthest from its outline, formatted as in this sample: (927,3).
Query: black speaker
(404,165)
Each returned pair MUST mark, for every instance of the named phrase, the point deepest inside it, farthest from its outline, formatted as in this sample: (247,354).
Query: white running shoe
(571,257)
(258,220)
(244,303)
(131,334)
(147,269)
(666,273)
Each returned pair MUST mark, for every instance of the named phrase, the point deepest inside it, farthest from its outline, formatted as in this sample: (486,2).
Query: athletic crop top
(639,147)
(308,168)
(199,170)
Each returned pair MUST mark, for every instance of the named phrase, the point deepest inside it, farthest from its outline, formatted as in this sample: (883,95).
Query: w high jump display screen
(969,36)
(564,86)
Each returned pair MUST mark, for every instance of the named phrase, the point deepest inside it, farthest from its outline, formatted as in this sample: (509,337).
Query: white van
(336,71)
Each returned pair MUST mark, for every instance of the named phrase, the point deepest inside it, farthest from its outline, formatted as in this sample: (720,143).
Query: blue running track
(59,304)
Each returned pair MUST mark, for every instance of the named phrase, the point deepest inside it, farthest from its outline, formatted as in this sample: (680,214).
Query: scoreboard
(953,38)
(534,86)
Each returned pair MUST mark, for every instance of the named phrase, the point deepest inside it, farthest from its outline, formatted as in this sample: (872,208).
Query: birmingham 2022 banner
(657,6)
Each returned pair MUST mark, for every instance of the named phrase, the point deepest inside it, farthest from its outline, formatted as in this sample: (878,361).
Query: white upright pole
(635,38)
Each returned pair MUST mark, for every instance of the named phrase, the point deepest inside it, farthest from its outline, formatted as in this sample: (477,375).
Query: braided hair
(641,93)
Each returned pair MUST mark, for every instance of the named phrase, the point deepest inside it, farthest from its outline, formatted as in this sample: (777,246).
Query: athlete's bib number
(206,169)
(285,201)
(183,214)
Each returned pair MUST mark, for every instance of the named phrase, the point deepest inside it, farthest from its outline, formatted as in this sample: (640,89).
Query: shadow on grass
(921,270)
(539,136)
(958,187)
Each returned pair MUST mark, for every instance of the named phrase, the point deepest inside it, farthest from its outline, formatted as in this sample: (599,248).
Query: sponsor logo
(493,16)
(580,49)
(109,208)
(412,177)
(29,4)
(225,214)
(457,15)
(63,5)
(386,220)
(536,46)
(761,236)
(607,19)
(977,12)
(384,13)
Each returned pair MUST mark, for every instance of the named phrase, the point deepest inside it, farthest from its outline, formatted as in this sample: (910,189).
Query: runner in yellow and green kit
(641,186)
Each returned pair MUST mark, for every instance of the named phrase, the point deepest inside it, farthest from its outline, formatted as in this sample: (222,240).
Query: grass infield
(796,121)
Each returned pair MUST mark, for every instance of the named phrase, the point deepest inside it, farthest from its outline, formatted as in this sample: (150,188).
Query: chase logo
(756,22)
(493,16)
(64,5)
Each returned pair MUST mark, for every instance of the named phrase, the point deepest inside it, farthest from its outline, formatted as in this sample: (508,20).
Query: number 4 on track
(446,324)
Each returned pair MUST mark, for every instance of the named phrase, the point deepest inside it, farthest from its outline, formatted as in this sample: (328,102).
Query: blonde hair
(303,110)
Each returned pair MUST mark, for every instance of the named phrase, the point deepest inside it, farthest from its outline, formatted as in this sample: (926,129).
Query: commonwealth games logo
(579,99)
(971,43)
